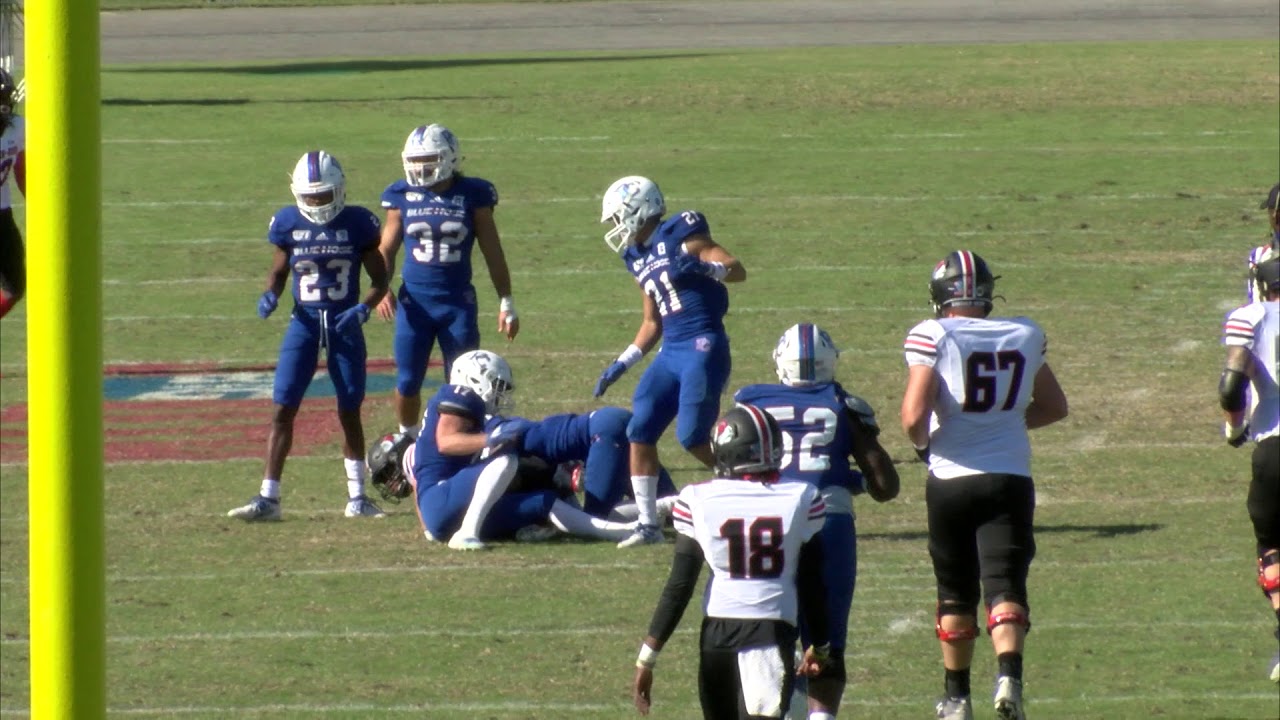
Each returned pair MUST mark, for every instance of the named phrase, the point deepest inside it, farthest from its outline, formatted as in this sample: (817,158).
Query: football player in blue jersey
(465,499)
(681,272)
(822,427)
(438,214)
(323,242)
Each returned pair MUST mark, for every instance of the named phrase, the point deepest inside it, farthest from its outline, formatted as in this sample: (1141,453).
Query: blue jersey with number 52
(691,305)
(816,431)
(439,231)
(326,259)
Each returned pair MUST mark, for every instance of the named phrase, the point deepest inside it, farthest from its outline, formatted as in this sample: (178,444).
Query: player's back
(751,534)
(430,465)
(1256,326)
(815,431)
(986,370)
(439,231)
(690,305)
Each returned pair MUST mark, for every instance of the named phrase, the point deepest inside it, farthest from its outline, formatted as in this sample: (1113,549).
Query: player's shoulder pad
(862,410)
(686,223)
(478,191)
(747,393)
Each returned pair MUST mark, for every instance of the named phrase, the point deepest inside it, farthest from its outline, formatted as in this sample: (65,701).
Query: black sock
(1010,665)
(957,683)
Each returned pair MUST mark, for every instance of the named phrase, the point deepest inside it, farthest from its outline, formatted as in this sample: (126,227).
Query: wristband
(506,304)
(718,271)
(631,356)
(648,657)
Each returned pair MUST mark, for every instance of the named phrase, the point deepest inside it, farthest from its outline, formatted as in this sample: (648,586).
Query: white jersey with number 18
(986,368)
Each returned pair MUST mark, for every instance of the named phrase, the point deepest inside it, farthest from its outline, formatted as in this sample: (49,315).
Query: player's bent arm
(376,268)
(875,463)
(812,591)
(279,272)
(686,565)
(491,247)
(707,250)
(1048,401)
(917,404)
(455,435)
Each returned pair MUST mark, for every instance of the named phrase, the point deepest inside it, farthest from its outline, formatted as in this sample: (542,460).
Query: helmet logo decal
(725,432)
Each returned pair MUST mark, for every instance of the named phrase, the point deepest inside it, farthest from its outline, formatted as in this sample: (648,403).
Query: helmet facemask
(431,155)
(629,203)
(319,187)
(805,355)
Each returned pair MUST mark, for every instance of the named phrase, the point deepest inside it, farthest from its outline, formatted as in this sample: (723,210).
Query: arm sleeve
(685,567)
(812,591)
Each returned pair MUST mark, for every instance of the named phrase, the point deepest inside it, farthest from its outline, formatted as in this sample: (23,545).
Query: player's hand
(609,377)
(507,437)
(642,689)
(267,304)
(815,658)
(350,320)
(387,306)
(684,265)
(1236,435)
(509,324)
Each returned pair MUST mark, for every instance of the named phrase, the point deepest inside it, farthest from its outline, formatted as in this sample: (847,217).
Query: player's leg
(13,264)
(459,330)
(415,333)
(654,406)
(719,691)
(1006,546)
(608,468)
(299,351)
(953,551)
(704,372)
(489,485)
(1264,511)
(348,367)
(571,520)
(766,674)
(840,556)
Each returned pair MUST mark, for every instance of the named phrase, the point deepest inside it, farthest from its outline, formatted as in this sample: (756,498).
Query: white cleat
(954,709)
(1008,699)
(1274,671)
(259,508)
(363,507)
(458,542)
(643,535)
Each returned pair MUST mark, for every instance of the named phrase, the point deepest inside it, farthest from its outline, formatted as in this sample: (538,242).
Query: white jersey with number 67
(1254,327)
(986,368)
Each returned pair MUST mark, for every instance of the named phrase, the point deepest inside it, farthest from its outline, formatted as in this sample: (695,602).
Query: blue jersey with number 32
(439,231)
(816,431)
(325,258)
(691,305)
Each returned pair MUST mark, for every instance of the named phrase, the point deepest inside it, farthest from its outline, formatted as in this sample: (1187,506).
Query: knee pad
(955,609)
(1016,617)
(1269,559)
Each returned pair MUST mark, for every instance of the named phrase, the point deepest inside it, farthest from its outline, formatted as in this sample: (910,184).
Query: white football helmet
(488,375)
(628,203)
(319,174)
(805,355)
(431,155)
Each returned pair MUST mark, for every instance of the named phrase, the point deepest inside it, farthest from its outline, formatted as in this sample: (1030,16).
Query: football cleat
(1274,671)
(259,508)
(363,507)
(643,535)
(536,533)
(458,542)
(1008,699)
(954,708)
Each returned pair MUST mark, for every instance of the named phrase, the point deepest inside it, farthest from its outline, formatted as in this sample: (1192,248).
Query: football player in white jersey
(975,386)
(761,537)
(13,162)
(1252,336)
(1256,254)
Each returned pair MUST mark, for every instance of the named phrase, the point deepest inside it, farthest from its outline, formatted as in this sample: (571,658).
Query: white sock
(645,488)
(270,489)
(490,486)
(821,715)
(570,519)
(411,430)
(355,477)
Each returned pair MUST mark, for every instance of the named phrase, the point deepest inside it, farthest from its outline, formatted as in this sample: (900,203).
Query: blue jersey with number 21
(691,305)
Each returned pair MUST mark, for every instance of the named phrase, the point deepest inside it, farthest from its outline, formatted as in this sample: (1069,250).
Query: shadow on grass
(383,65)
(1098,531)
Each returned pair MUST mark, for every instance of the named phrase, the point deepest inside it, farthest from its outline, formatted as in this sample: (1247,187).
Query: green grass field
(1113,186)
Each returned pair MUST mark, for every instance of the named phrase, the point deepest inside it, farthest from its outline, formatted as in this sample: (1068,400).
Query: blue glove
(350,320)
(684,265)
(267,304)
(508,436)
(609,377)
